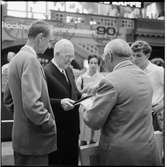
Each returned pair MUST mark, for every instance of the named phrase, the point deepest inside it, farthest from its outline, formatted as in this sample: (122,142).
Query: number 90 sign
(101,30)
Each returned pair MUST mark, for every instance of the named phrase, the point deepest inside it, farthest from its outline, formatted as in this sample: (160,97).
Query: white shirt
(156,76)
(60,69)
(54,62)
(88,80)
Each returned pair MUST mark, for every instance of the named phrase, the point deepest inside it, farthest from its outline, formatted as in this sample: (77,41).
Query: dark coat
(67,121)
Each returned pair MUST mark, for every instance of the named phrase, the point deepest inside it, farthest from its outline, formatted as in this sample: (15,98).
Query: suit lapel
(43,72)
(57,73)
(71,81)
(69,76)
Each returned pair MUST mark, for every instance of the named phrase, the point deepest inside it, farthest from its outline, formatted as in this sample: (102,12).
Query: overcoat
(122,109)
(67,121)
(34,128)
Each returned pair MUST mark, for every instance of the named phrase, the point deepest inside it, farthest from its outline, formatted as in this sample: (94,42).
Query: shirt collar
(122,63)
(94,75)
(54,62)
(32,49)
(148,66)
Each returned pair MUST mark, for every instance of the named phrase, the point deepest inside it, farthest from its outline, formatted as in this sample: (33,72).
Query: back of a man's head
(119,48)
(64,46)
(143,46)
(38,27)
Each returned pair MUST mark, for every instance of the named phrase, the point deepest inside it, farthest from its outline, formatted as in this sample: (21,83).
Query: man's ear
(110,57)
(57,54)
(39,36)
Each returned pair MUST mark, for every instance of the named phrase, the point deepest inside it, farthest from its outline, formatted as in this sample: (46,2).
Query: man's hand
(90,90)
(67,104)
(84,95)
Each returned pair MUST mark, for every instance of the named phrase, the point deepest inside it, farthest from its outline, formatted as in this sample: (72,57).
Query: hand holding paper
(67,104)
(90,90)
(86,104)
(82,99)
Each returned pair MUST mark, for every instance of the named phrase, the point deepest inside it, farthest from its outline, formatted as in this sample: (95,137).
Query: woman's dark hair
(39,27)
(94,56)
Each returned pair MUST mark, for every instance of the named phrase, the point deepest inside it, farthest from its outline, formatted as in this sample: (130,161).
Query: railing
(44,15)
(28,14)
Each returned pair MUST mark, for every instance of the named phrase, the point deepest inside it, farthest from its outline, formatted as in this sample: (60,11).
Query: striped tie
(64,73)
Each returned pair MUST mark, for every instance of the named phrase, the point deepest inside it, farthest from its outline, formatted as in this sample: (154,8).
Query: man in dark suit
(63,93)
(34,130)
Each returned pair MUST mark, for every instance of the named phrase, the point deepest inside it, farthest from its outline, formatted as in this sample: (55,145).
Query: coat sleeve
(7,99)
(56,102)
(160,77)
(31,85)
(103,104)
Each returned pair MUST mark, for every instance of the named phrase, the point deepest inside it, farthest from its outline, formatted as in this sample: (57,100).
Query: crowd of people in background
(127,102)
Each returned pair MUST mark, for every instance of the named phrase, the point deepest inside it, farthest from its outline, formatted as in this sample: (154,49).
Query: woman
(88,79)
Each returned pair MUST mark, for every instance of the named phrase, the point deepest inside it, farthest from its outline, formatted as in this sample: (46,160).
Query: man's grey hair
(65,46)
(118,47)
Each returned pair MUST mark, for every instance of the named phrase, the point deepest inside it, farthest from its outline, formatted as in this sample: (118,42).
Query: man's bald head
(64,46)
(119,48)
(116,51)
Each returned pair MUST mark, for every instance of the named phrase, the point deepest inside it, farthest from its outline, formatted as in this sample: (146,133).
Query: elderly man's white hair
(10,56)
(118,47)
(64,46)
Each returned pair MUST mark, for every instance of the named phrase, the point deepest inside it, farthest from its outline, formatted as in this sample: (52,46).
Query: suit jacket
(59,88)
(122,108)
(34,128)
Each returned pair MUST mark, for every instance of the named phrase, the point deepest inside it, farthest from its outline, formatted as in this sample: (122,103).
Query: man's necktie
(64,73)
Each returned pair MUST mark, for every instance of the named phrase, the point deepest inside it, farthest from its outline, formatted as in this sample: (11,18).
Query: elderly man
(122,109)
(5,70)
(63,93)
(142,51)
(34,129)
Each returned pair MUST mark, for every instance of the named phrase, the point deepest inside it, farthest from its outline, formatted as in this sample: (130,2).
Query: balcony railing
(47,15)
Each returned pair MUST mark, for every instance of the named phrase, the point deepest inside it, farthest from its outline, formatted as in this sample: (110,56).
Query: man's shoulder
(155,68)
(50,67)
(24,54)
(4,67)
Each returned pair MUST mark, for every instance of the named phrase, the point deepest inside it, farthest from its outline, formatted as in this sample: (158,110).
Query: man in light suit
(63,93)
(34,129)
(122,109)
